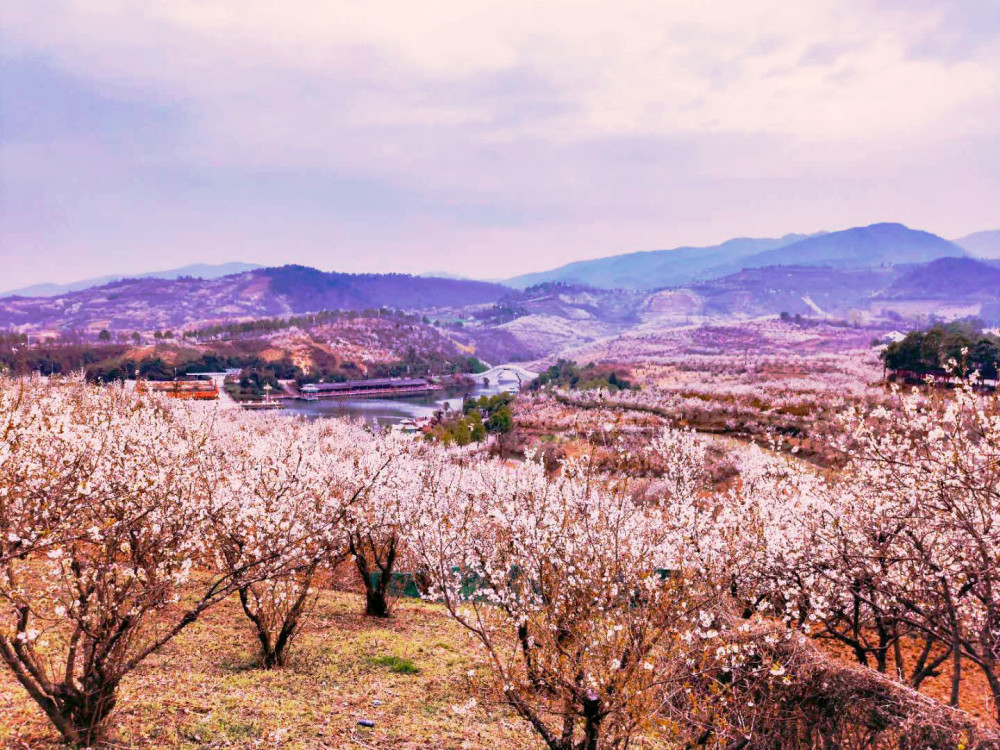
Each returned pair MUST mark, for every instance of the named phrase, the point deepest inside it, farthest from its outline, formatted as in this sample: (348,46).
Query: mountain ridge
(152,303)
(197,270)
(633,270)
(947,278)
(885,243)
(981,244)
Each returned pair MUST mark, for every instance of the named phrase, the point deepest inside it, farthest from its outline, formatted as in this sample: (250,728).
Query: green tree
(463,435)
(104,335)
(478,429)
(500,422)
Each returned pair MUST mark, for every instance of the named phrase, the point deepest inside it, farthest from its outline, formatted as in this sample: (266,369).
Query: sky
(481,138)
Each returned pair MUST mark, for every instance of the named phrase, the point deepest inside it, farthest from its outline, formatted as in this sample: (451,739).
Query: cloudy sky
(481,138)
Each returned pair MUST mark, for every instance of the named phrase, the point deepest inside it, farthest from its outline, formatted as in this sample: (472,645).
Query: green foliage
(500,422)
(928,352)
(567,374)
(478,429)
(473,365)
(479,417)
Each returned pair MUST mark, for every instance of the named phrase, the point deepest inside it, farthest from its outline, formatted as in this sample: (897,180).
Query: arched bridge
(505,373)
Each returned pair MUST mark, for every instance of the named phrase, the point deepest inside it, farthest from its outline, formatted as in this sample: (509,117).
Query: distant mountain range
(649,269)
(859,247)
(864,272)
(197,270)
(152,303)
(982,244)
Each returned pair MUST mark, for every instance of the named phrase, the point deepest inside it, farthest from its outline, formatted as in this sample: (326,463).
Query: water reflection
(383,410)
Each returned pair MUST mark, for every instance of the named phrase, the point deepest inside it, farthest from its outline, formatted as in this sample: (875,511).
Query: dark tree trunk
(273,653)
(79,714)
(376,592)
(592,717)
(376,603)
(88,711)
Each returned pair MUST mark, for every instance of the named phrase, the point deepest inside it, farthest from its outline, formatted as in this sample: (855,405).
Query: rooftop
(348,385)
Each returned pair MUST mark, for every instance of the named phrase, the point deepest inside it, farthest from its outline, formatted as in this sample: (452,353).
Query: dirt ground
(204,690)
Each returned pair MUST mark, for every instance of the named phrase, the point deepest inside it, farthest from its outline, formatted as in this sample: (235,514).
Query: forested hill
(148,304)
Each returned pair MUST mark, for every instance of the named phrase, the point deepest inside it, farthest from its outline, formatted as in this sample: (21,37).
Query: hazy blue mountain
(860,247)
(197,270)
(947,279)
(981,244)
(651,269)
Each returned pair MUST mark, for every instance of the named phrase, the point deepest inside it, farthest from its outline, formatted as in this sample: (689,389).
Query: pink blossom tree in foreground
(378,520)
(902,544)
(119,556)
(930,469)
(580,596)
(284,487)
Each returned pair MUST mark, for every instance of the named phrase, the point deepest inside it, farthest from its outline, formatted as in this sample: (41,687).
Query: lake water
(385,410)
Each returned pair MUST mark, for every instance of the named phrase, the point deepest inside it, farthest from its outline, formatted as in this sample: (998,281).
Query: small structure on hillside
(375,386)
(198,390)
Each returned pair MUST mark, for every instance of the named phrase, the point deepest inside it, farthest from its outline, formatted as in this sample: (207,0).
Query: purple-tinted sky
(481,138)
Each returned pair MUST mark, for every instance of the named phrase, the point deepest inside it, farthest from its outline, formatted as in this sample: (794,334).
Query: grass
(408,675)
(397,664)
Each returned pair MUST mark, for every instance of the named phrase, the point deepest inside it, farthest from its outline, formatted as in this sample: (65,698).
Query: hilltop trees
(929,351)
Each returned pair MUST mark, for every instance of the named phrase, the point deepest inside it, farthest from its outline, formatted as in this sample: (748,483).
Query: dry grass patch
(413,675)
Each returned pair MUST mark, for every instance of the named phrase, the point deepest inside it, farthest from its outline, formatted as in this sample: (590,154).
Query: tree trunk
(956,672)
(80,715)
(988,666)
(89,711)
(592,720)
(376,593)
(376,603)
(273,653)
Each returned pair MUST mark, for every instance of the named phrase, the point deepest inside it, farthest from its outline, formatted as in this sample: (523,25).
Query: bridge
(505,373)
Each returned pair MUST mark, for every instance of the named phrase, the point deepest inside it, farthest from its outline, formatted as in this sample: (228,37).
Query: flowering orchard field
(598,610)
(789,401)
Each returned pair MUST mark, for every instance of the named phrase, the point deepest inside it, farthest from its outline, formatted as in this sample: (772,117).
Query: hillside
(148,304)
(548,317)
(197,270)
(875,245)
(948,279)
(654,268)
(808,290)
(328,344)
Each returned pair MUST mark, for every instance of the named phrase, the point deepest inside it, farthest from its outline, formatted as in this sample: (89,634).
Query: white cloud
(556,124)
